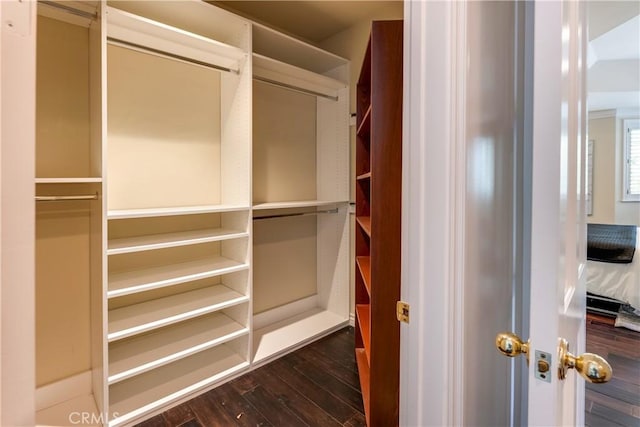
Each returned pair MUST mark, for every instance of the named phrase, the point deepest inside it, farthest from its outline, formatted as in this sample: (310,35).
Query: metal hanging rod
(294,88)
(169,55)
(70,9)
(67,198)
(329,211)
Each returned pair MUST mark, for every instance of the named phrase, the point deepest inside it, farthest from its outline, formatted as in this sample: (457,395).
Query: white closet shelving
(69,154)
(178,252)
(300,193)
(212,156)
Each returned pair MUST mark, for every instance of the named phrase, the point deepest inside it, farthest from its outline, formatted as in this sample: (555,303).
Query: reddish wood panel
(378,213)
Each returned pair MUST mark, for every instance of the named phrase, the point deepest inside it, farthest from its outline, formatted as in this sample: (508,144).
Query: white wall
(602,132)
(605,129)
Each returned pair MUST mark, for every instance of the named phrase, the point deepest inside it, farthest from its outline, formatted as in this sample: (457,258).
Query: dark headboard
(611,243)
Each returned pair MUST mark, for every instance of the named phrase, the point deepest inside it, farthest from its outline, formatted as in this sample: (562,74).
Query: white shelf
(280,72)
(68,180)
(138,318)
(127,27)
(274,44)
(152,390)
(139,355)
(296,204)
(171,240)
(275,339)
(130,282)
(178,210)
(59,415)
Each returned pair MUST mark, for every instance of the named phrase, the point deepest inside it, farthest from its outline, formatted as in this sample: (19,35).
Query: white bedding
(619,281)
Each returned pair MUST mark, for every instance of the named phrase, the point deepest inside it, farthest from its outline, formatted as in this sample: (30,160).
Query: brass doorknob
(591,367)
(512,345)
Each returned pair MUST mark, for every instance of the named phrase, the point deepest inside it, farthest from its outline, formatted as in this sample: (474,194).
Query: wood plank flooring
(314,386)
(616,403)
(318,386)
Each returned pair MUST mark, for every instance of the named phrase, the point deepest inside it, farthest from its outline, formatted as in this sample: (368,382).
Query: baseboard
(352,320)
(63,390)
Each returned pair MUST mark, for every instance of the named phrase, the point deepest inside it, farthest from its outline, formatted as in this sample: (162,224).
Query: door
(558,215)
(437,374)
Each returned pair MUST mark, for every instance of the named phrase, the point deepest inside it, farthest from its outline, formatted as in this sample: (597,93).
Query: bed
(613,272)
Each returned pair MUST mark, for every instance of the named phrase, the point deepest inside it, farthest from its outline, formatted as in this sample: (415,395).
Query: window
(631,160)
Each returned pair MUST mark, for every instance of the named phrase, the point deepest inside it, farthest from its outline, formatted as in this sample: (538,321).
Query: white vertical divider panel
(332,182)
(236,137)
(333,262)
(332,149)
(17,212)
(98,248)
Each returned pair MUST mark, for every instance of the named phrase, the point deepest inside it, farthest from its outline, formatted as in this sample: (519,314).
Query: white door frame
(432,372)
(433,236)
(432,156)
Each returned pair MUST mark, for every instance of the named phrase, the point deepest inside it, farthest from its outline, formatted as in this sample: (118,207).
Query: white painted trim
(63,390)
(458,196)
(625,128)
(68,180)
(352,320)
(180,210)
(602,114)
(429,396)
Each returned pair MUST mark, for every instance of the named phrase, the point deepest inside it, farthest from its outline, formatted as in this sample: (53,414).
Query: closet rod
(169,55)
(66,198)
(70,9)
(294,88)
(330,211)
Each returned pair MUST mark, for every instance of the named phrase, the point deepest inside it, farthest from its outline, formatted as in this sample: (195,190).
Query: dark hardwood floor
(318,386)
(616,403)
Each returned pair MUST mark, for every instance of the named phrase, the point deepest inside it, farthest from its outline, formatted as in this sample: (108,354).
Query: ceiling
(613,55)
(614,33)
(313,21)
